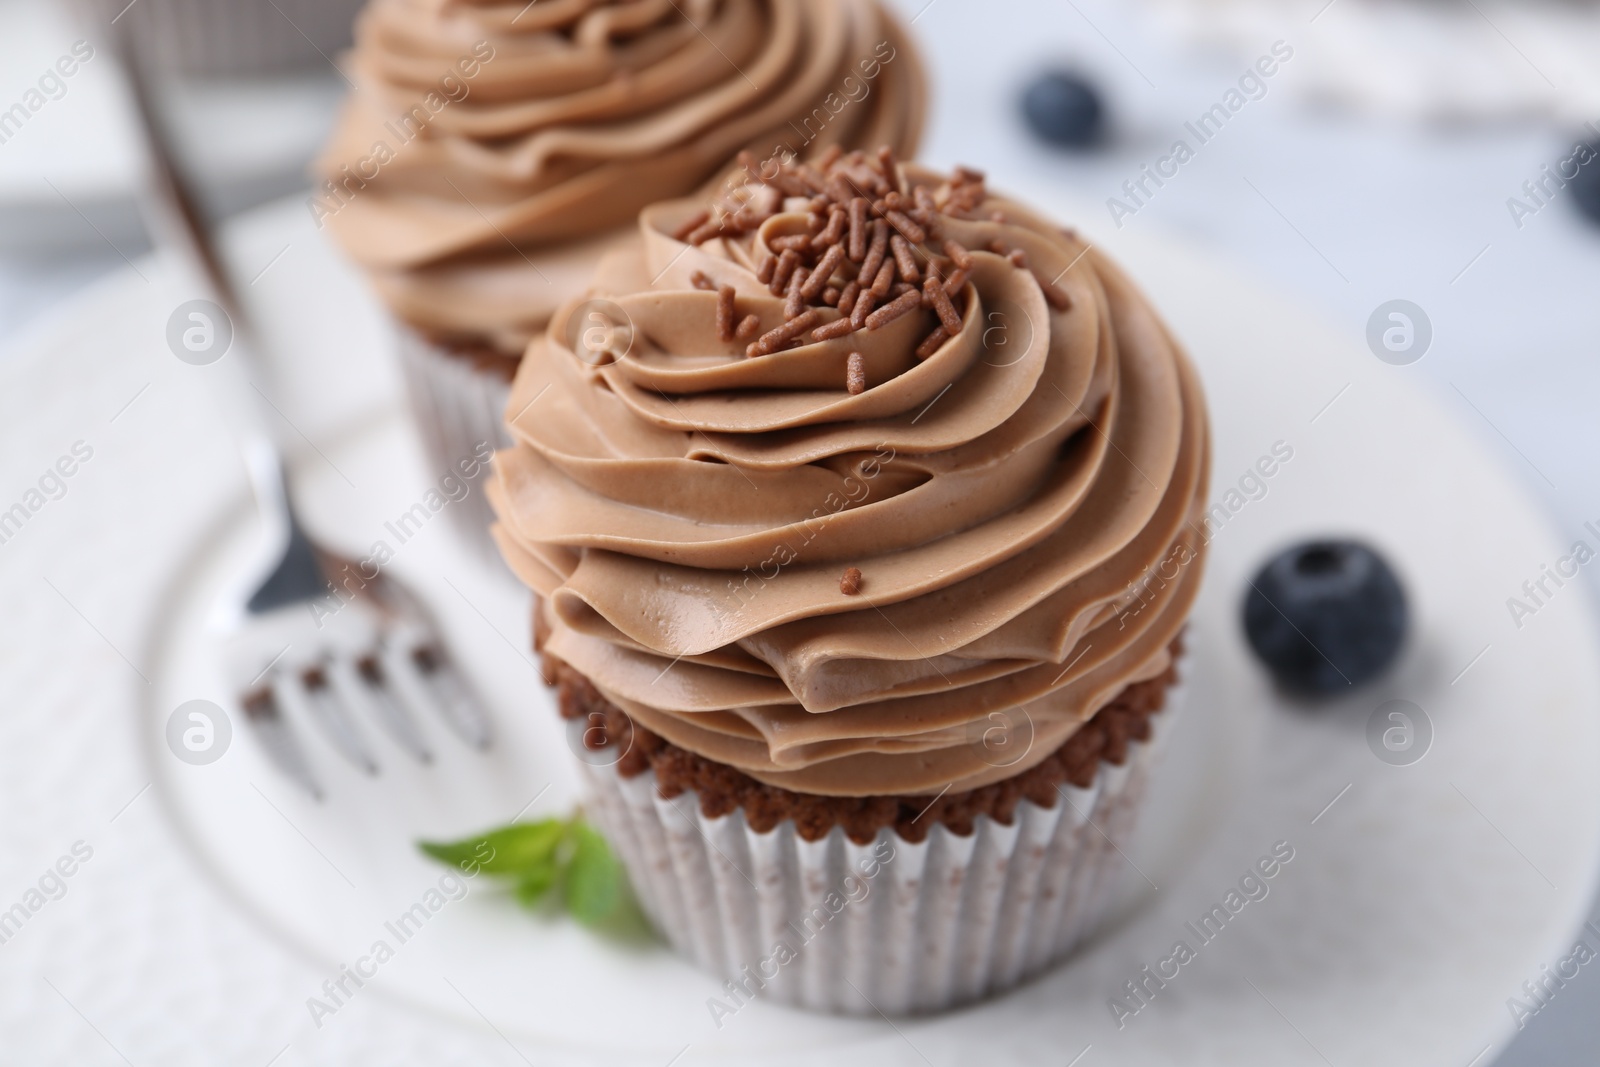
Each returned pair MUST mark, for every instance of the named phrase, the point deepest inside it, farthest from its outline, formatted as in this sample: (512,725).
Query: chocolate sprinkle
(930,344)
(858,229)
(855,374)
(871,248)
(850,581)
(864,304)
(1057,296)
(824,270)
(942,306)
(795,300)
(904,261)
(847,296)
(875,253)
(908,227)
(768,342)
(780,274)
(885,279)
(904,305)
(725,313)
(691,224)
(836,328)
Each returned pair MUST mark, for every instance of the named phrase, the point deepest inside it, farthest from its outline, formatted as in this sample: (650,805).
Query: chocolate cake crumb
(722,789)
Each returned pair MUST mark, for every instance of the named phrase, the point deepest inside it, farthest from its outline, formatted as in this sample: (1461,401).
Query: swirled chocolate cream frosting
(493,150)
(830,482)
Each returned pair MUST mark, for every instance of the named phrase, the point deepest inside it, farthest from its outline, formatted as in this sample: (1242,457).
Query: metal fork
(299,641)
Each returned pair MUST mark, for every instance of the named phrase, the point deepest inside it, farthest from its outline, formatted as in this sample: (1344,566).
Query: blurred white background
(1342,207)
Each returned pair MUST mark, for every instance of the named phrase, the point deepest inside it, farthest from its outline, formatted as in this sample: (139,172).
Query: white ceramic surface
(217,901)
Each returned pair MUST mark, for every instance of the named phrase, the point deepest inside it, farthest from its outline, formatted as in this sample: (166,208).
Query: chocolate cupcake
(862,560)
(492,152)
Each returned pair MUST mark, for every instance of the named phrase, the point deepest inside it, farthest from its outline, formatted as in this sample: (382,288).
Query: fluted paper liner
(936,924)
(457,407)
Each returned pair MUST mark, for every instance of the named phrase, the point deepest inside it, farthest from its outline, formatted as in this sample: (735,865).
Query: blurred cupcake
(862,557)
(494,151)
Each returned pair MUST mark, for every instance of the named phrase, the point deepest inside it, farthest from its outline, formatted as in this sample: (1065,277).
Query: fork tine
(389,711)
(333,715)
(455,703)
(262,712)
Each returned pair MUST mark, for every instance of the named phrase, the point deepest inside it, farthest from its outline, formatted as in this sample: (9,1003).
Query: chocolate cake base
(479,355)
(721,788)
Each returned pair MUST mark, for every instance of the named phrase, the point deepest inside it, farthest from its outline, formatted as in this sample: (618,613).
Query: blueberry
(1064,109)
(1325,616)
(1586,185)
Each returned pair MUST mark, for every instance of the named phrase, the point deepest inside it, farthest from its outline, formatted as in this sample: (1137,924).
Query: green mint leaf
(533,885)
(594,878)
(510,850)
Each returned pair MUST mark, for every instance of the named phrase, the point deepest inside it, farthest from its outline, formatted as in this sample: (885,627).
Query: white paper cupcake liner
(457,407)
(890,926)
(230,38)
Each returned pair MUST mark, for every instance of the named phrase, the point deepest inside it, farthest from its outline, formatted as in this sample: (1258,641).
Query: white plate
(217,900)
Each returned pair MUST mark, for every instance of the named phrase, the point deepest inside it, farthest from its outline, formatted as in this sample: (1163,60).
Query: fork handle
(173,211)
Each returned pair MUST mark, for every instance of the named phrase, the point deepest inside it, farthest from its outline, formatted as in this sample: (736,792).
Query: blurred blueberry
(1586,186)
(1064,109)
(1325,616)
